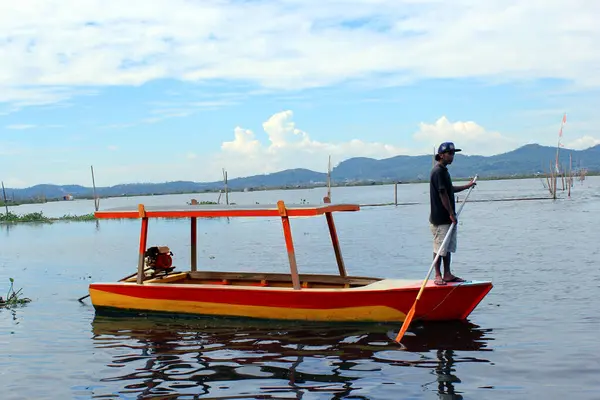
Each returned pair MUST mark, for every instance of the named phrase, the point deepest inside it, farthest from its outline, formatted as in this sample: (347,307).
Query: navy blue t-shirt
(440,181)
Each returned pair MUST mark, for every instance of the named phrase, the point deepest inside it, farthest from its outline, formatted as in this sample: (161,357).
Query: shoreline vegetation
(41,199)
(38,217)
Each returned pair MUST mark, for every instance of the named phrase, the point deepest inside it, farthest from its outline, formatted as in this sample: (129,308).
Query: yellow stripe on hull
(365,313)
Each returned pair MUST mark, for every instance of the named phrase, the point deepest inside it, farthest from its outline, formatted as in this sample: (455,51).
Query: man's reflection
(445,375)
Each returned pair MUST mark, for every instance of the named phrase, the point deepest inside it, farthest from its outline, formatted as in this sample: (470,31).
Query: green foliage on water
(84,217)
(13,298)
(29,217)
(38,217)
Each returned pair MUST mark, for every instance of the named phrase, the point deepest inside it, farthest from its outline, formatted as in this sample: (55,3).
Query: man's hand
(472,183)
(453,218)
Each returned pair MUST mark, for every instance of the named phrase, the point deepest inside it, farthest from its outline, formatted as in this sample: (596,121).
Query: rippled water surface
(534,336)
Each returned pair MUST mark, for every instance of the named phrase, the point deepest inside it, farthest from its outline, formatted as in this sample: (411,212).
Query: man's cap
(445,147)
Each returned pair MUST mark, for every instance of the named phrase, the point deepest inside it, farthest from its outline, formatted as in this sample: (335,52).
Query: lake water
(534,336)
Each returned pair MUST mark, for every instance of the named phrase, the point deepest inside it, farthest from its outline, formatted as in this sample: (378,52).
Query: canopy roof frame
(198,211)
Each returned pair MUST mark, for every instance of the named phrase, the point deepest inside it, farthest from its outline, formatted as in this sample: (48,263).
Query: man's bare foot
(439,281)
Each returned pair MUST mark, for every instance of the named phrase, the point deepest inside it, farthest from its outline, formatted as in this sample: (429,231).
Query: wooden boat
(281,296)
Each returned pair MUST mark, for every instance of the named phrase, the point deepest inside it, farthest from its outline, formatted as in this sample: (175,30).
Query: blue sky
(177,90)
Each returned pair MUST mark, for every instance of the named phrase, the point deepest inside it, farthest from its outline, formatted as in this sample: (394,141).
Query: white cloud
(582,143)
(20,126)
(167,110)
(289,44)
(22,94)
(289,147)
(281,144)
(244,143)
(180,110)
(14,183)
(471,137)
(475,139)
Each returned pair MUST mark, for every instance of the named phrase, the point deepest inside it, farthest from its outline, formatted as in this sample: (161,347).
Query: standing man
(443,211)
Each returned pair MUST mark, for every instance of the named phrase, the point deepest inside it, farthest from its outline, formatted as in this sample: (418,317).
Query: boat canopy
(192,211)
(221,210)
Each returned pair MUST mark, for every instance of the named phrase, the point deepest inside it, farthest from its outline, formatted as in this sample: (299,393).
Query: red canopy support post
(143,241)
(193,240)
(289,244)
(336,244)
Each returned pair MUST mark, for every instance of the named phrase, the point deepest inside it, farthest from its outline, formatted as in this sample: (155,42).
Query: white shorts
(439,233)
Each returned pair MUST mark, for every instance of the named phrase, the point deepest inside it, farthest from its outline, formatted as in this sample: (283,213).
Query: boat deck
(278,280)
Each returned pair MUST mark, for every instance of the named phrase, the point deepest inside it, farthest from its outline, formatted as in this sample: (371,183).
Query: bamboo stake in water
(552,181)
(96,200)
(570,176)
(555,180)
(226,190)
(329,179)
(563,176)
(5,203)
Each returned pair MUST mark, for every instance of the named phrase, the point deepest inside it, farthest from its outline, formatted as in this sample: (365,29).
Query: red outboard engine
(159,258)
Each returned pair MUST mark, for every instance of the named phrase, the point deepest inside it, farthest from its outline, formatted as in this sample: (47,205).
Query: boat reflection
(175,358)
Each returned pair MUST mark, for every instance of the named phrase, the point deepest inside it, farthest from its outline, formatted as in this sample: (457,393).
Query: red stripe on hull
(450,302)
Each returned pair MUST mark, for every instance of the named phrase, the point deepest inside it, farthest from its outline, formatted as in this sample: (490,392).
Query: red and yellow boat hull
(384,301)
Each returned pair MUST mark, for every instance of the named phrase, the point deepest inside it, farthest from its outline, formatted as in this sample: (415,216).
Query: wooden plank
(278,277)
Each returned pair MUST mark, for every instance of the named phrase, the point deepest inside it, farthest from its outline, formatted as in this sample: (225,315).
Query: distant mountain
(287,178)
(527,160)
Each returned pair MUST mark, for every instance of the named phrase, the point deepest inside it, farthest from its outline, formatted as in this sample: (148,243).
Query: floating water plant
(11,217)
(13,298)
